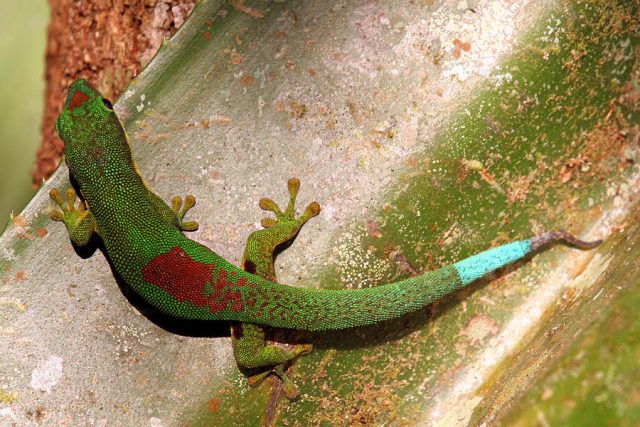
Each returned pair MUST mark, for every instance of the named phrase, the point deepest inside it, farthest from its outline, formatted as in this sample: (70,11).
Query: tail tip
(561,235)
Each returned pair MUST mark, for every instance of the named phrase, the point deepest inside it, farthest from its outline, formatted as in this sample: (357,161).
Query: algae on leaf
(426,133)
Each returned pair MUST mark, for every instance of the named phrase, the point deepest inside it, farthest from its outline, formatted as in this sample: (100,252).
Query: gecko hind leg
(251,350)
(260,360)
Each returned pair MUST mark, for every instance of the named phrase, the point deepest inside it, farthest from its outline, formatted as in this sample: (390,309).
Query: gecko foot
(287,218)
(68,213)
(78,219)
(280,370)
(290,389)
(181,209)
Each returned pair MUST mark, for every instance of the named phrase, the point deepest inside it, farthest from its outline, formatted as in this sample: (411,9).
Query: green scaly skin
(143,239)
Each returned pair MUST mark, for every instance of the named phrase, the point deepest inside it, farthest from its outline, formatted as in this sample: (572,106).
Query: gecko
(144,240)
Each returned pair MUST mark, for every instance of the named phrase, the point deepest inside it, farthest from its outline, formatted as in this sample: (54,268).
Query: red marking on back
(79,98)
(185,279)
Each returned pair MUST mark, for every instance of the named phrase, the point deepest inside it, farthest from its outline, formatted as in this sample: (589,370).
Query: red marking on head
(186,279)
(79,98)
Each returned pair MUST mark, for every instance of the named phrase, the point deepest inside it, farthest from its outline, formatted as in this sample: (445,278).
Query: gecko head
(84,107)
(92,134)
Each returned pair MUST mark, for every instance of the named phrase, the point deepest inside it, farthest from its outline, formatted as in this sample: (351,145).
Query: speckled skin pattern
(182,278)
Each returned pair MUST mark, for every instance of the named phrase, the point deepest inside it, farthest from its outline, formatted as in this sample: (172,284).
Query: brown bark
(106,41)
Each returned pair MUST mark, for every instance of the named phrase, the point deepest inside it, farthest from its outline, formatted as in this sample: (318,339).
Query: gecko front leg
(249,345)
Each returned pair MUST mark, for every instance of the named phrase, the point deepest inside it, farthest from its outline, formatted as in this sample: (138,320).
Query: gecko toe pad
(180,209)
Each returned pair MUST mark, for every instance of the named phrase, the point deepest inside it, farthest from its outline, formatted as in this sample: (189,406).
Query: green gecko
(144,241)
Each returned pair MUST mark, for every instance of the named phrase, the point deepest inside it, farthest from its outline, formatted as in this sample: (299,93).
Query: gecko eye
(107,103)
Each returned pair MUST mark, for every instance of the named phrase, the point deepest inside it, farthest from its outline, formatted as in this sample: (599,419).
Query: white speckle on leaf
(500,79)
(140,106)
(598,294)
(155,422)
(7,412)
(479,327)
(128,94)
(456,71)
(459,414)
(47,374)
(9,254)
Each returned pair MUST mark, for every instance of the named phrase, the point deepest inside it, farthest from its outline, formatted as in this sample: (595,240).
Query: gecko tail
(281,306)
(478,265)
